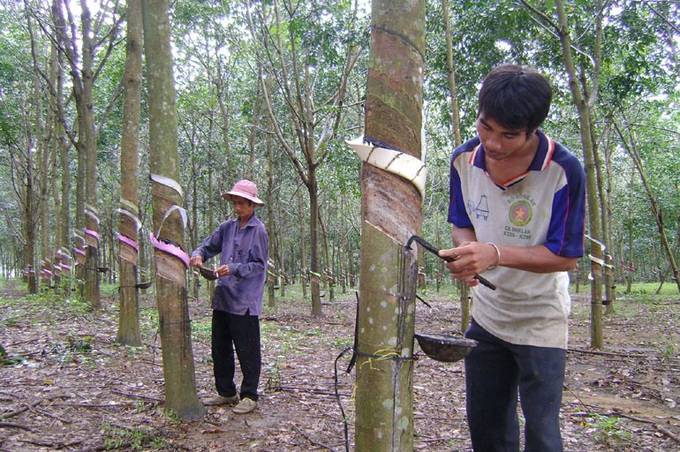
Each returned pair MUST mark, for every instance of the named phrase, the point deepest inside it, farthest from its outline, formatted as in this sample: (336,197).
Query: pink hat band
(245,189)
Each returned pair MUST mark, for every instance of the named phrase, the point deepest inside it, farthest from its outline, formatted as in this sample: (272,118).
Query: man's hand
(196,261)
(223,270)
(469,259)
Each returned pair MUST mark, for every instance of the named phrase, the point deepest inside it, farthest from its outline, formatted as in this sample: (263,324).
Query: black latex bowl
(444,348)
(207,273)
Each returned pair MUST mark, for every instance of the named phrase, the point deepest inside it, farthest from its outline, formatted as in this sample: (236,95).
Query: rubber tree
(456,141)
(168,217)
(40,139)
(584,100)
(85,57)
(391,214)
(128,324)
(292,60)
(584,95)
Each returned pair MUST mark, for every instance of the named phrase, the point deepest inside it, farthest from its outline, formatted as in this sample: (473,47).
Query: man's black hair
(516,97)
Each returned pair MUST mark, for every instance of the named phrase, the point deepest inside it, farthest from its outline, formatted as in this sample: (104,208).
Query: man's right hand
(196,261)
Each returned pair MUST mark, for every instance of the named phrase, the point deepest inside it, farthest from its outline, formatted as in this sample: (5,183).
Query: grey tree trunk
(391,214)
(456,141)
(168,221)
(87,139)
(128,324)
(594,212)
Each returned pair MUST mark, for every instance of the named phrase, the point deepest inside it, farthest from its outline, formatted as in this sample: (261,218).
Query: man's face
(243,207)
(501,143)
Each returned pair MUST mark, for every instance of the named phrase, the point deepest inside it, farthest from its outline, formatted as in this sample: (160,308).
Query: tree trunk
(271,227)
(211,214)
(68,46)
(304,271)
(315,268)
(196,278)
(32,178)
(43,179)
(456,141)
(610,264)
(128,325)
(86,197)
(29,222)
(61,259)
(168,217)
(581,103)
(629,234)
(65,202)
(87,137)
(455,112)
(391,213)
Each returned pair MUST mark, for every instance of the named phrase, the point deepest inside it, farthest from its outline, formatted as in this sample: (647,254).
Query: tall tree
(583,72)
(61,189)
(295,51)
(128,325)
(81,51)
(584,92)
(456,141)
(40,142)
(391,214)
(26,169)
(168,217)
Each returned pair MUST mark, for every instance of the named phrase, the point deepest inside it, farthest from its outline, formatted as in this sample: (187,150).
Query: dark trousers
(240,333)
(496,372)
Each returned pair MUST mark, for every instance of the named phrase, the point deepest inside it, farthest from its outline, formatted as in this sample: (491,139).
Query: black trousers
(239,333)
(496,373)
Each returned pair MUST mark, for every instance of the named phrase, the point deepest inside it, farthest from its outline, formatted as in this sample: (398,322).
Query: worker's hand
(196,261)
(467,260)
(223,270)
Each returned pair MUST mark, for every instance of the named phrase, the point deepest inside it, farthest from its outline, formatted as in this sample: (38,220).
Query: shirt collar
(542,159)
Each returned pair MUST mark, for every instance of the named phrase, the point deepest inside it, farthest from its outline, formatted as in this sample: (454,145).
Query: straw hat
(245,189)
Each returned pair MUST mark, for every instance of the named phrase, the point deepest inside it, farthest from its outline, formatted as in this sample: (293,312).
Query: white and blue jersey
(545,205)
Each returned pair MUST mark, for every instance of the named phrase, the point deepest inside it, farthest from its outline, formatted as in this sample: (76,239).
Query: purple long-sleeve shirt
(246,252)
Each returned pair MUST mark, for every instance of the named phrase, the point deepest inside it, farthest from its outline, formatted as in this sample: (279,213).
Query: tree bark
(271,226)
(82,88)
(128,324)
(456,141)
(592,190)
(609,277)
(391,214)
(168,219)
(62,260)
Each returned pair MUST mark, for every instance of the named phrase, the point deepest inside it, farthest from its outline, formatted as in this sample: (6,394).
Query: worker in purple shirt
(243,246)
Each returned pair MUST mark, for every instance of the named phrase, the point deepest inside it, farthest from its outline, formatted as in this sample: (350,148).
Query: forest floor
(66,385)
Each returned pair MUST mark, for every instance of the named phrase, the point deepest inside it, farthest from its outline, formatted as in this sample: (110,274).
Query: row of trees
(271,90)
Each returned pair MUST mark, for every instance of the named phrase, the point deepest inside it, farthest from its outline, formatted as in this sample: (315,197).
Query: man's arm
(462,235)
(471,257)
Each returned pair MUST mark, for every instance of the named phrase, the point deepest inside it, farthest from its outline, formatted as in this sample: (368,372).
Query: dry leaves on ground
(65,384)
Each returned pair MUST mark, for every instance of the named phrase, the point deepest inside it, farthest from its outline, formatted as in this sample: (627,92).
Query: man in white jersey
(517,206)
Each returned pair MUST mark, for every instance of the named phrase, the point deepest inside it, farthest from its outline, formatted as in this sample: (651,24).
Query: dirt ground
(66,385)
